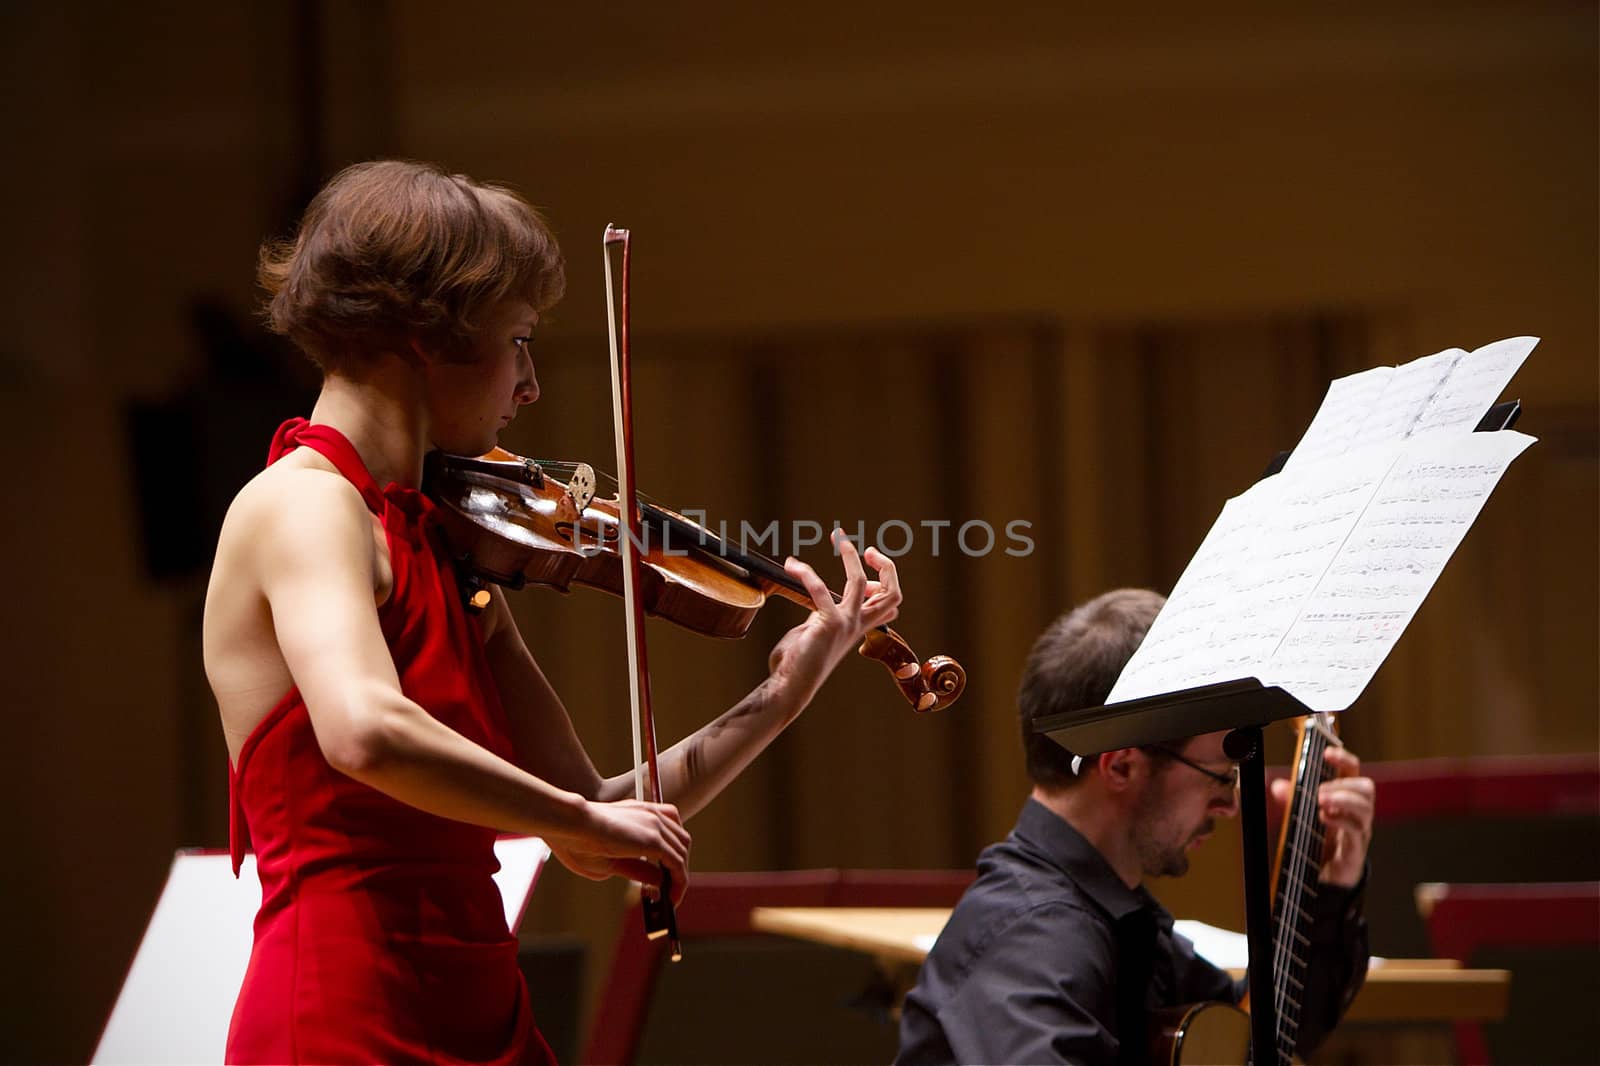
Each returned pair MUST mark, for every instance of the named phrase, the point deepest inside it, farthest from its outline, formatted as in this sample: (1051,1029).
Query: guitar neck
(1299,863)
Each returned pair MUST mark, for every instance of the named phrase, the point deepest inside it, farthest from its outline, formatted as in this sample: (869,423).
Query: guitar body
(1202,1034)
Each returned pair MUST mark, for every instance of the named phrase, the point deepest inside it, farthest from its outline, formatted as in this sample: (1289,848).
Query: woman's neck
(382,413)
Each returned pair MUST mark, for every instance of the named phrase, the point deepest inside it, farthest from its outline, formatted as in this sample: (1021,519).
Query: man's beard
(1156,858)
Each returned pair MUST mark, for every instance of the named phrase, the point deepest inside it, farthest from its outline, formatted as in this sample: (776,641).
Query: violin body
(513,522)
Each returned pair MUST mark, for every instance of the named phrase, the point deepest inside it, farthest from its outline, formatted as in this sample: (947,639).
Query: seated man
(1057,953)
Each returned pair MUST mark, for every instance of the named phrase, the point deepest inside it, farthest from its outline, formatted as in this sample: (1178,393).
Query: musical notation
(1308,579)
(1410,390)
(1473,385)
(1263,557)
(1416,519)
(1348,402)
(1449,390)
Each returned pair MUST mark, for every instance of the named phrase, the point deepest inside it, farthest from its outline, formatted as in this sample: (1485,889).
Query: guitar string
(1288,902)
(1293,912)
(1305,835)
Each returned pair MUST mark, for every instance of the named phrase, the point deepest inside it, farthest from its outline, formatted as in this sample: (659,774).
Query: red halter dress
(381,936)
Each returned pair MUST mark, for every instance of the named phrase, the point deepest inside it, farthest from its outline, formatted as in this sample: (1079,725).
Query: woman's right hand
(628,838)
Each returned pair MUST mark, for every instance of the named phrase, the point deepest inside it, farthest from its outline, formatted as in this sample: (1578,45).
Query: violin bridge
(581,487)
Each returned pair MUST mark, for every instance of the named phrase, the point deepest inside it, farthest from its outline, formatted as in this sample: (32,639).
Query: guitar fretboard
(1297,883)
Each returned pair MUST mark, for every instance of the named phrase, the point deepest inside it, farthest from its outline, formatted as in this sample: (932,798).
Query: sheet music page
(1251,577)
(1308,579)
(1393,556)
(1474,384)
(1180,640)
(1410,388)
(1345,407)
(1222,948)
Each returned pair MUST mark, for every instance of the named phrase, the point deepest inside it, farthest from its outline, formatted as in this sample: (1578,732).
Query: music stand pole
(1244,745)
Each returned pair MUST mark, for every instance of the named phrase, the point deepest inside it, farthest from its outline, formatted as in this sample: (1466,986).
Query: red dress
(381,936)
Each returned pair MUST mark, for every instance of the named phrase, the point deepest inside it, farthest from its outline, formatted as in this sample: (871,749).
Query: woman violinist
(379,736)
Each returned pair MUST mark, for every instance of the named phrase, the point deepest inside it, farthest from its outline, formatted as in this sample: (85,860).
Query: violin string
(564,470)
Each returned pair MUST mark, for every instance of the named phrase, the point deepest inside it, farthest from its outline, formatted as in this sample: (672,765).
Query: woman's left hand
(808,653)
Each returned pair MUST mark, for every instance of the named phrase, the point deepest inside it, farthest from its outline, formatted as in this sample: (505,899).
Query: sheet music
(1308,579)
(1181,646)
(1452,389)
(1345,407)
(1246,585)
(1414,523)
(1410,389)
(1474,384)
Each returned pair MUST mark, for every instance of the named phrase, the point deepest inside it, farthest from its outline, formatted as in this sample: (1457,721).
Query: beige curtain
(1114,446)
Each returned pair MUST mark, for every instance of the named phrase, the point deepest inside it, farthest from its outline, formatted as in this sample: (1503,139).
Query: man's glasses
(1231,778)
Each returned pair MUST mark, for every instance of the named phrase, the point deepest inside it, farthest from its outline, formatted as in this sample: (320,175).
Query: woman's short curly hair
(394,252)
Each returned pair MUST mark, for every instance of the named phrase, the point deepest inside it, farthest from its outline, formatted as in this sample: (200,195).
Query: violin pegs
(927,686)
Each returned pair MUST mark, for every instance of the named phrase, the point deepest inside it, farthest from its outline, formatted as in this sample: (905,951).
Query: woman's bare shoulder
(301,497)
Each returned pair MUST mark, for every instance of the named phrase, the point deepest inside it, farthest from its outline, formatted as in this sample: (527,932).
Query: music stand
(177,999)
(1243,707)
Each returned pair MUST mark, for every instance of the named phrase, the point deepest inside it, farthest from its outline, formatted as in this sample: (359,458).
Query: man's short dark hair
(1073,665)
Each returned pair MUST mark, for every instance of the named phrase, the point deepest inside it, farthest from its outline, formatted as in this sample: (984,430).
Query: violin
(515,522)
(511,523)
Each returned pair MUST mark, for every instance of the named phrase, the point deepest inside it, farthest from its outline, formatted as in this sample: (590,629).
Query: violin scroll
(928,686)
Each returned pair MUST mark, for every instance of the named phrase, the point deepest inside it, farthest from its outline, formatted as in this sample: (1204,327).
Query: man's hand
(628,839)
(807,654)
(1345,804)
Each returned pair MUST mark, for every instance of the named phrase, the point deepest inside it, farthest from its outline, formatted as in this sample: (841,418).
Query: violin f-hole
(588,535)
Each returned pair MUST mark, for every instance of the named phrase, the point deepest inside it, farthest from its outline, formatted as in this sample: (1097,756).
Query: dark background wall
(1081,271)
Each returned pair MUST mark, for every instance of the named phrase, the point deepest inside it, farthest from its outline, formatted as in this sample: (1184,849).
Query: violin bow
(660,918)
